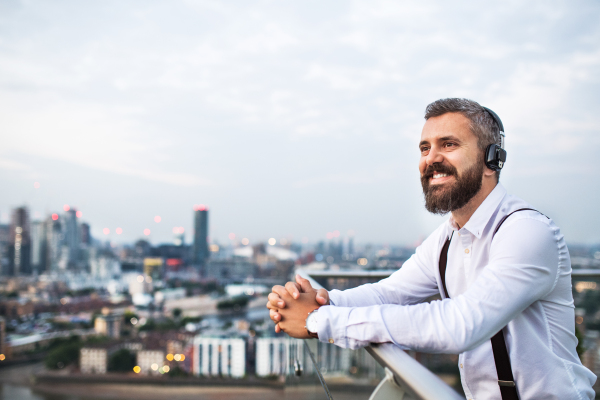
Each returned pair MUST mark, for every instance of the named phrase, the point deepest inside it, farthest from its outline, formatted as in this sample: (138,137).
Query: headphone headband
(495,156)
(496,118)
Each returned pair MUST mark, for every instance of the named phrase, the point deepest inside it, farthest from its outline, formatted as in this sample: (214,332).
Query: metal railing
(404,374)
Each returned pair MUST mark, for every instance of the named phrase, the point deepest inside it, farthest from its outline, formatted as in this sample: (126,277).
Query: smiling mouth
(439,177)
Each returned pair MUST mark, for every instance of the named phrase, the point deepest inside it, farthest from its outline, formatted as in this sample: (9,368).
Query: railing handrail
(585,272)
(408,372)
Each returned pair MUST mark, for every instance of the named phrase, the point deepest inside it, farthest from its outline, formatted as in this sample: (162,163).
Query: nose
(433,156)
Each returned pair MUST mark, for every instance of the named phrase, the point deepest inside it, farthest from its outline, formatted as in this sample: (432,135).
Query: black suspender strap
(506,381)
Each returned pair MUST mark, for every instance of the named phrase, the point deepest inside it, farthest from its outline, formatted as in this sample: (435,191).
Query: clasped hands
(289,306)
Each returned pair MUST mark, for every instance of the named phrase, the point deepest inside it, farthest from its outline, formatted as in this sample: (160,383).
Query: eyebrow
(443,139)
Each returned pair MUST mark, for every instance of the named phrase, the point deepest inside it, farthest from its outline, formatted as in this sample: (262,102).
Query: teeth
(436,176)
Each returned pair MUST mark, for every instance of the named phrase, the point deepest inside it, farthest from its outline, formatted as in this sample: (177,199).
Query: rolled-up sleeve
(523,267)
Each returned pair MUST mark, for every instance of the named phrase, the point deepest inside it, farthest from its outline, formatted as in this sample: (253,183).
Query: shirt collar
(484,212)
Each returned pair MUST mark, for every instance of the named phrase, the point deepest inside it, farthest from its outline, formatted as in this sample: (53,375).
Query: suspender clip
(506,383)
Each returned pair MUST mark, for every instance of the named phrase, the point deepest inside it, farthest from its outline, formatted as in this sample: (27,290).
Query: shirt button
(466,251)
(331,340)
(461,365)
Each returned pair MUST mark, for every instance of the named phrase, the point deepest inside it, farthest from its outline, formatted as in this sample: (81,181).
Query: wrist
(311,324)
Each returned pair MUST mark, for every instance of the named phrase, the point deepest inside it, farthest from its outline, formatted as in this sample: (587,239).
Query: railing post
(388,388)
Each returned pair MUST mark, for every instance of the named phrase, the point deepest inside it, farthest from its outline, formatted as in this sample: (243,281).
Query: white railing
(404,375)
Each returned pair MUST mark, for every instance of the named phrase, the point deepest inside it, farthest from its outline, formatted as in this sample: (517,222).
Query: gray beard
(440,199)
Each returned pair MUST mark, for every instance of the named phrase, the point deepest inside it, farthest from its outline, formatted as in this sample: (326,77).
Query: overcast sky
(288,119)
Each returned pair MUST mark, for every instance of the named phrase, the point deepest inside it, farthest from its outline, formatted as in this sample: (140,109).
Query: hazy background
(288,119)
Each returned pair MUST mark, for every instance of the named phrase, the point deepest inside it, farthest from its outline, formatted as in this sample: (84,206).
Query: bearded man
(502,268)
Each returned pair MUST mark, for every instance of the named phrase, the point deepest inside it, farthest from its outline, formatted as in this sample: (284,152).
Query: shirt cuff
(334,297)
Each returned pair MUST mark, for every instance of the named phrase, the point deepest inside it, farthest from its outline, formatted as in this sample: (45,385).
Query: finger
(293,289)
(274,315)
(275,300)
(304,284)
(277,328)
(322,297)
(282,292)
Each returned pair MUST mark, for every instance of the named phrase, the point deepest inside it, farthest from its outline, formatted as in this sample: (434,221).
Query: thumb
(304,284)
(322,297)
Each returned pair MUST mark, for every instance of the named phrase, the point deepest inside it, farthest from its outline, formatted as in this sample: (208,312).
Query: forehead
(449,124)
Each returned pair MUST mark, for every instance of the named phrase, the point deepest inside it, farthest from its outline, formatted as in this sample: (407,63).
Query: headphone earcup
(495,157)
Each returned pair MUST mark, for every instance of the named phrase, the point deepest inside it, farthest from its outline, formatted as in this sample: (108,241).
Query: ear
(488,172)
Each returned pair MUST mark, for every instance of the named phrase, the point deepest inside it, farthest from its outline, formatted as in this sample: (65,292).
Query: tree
(121,361)
(63,355)
(176,313)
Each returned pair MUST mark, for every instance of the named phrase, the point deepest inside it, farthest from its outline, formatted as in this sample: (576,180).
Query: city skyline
(288,120)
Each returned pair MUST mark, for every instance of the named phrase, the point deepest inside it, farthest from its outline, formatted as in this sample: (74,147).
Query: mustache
(440,169)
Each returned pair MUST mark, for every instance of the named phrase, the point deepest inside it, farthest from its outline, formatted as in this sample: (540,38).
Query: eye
(449,144)
(424,149)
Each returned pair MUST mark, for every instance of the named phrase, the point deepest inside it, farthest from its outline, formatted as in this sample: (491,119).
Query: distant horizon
(291,119)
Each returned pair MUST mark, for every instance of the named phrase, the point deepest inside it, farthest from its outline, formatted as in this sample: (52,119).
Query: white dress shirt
(521,279)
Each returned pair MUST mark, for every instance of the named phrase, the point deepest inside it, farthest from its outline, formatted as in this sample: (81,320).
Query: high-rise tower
(19,251)
(71,237)
(200,246)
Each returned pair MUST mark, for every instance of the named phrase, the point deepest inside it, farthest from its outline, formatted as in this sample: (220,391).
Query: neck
(463,215)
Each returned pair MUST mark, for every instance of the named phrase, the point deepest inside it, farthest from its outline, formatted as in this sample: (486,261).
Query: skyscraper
(38,246)
(200,245)
(84,234)
(19,243)
(54,239)
(4,241)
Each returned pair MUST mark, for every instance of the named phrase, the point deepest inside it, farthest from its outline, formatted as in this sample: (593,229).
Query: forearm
(448,326)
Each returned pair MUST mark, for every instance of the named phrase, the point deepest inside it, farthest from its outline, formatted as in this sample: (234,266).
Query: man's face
(451,163)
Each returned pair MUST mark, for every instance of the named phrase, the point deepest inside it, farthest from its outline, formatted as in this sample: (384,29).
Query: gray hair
(482,123)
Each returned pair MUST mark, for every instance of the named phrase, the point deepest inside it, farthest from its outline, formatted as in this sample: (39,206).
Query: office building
(38,247)
(19,247)
(108,325)
(200,246)
(54,240)
(93,359)
(4,241)
(84,234)
(71,237)
(219,357)
(150,360)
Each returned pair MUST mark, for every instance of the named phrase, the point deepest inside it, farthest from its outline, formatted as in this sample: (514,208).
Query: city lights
(36,185)
(170,357)
(79,214)
(272,241)
(54,217)
(231,236)
(147,232)
(2,357)
(133,321)
(140,278)
(137,369)
(245,241)
(66,207)
(177,357)
(154,366)
(157,219)
(106,231)
(362,261)
(166,368)
(200,207)
(119,231)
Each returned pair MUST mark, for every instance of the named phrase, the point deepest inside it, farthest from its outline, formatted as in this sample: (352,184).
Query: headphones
(495,156)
